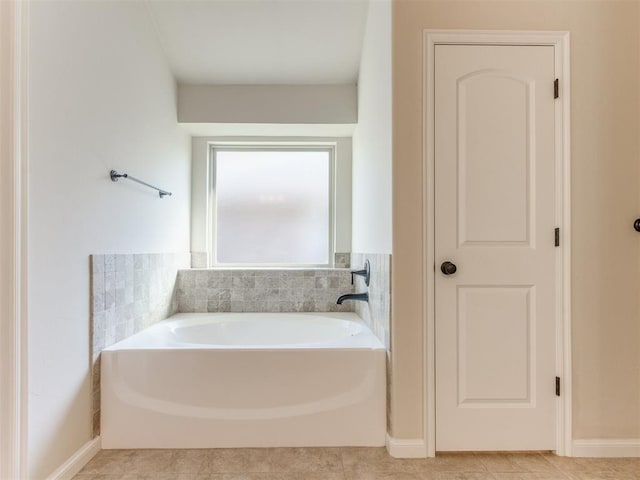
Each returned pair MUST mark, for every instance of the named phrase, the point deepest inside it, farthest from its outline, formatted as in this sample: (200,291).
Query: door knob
(448,268)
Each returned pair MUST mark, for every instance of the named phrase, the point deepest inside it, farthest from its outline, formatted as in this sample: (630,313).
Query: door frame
(560,42)
(13,230)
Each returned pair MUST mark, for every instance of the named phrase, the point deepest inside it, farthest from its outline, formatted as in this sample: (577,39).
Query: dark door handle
(448,268)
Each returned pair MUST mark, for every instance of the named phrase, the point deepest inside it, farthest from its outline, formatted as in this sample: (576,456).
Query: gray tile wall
(342,260)
(131,292)
(199,259)
(128,293)
(377,312)
(263,290)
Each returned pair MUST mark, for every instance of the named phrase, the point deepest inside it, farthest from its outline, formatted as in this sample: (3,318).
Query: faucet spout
(363,297)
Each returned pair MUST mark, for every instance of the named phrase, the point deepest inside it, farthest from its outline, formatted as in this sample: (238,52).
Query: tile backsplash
(263,290)
(377,312)
(342,260)
(129,292)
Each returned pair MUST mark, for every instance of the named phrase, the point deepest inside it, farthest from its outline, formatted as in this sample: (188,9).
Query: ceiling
(256,42)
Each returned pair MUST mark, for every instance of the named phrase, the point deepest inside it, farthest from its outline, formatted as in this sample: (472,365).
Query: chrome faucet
(363,297)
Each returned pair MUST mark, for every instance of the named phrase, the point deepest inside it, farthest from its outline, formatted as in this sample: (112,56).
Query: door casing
(560,42)
(13,232)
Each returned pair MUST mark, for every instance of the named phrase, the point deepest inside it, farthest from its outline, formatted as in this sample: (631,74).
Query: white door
(494,214)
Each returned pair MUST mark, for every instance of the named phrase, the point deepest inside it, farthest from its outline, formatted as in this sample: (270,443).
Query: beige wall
(605,275)
(12,235)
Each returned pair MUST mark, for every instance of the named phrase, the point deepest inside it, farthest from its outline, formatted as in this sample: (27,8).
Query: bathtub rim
(364,340)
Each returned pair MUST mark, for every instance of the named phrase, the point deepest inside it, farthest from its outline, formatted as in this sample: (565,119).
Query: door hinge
(557,237)
(557,386)
(556,88)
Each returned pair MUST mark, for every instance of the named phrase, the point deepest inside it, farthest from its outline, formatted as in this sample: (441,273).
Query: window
(272,206)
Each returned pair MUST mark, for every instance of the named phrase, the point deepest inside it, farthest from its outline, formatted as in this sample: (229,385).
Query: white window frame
(275,146)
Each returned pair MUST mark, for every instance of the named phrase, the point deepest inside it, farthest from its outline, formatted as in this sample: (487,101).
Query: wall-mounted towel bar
(115,176)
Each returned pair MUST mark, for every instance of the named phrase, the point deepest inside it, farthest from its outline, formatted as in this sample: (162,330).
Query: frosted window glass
(272,207)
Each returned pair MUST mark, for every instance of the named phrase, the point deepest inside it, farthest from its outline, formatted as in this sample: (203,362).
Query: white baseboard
(606,447)
(406,448)
(74,464)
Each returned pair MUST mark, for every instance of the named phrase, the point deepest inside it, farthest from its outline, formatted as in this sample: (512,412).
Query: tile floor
(347,464)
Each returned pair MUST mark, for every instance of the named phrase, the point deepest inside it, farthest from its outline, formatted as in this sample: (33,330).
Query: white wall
(288,104)
(101,97)
(372,227)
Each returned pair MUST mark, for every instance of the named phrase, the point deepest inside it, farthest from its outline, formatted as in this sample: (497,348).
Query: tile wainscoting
(342,260)
(377,312)
(129,292)
(263,290)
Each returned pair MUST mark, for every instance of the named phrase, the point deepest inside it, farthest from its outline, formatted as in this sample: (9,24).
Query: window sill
(274,269)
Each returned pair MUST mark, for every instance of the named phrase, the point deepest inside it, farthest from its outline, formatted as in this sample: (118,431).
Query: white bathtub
(245,380)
